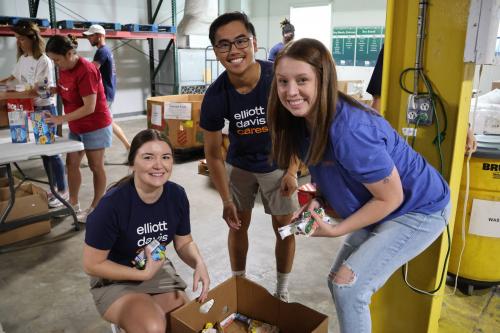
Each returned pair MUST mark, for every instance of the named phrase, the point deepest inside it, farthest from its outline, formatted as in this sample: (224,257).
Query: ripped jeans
(373,256)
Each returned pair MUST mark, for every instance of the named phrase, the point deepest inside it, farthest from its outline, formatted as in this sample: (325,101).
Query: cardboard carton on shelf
(178,116)
(248,298)
(30,200)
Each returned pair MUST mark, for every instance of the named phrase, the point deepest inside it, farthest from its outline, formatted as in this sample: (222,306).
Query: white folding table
(11,153)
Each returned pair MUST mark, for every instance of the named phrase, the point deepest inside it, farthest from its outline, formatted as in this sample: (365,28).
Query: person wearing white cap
(103,60)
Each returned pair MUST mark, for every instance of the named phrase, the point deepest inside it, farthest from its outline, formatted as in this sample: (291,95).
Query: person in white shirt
(34,68)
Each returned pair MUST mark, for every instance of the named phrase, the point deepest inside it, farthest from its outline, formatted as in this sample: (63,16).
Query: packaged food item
(18,124)
(304,225)
(256,326)
(44,132)
(157,253)
(209,328)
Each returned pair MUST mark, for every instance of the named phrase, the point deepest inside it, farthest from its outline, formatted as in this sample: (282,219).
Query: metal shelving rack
(149,36)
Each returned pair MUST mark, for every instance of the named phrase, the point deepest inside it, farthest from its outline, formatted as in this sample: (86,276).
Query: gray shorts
(244,186)
(106,292)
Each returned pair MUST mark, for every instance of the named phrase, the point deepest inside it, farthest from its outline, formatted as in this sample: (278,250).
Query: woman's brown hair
(30,30)
(287,131)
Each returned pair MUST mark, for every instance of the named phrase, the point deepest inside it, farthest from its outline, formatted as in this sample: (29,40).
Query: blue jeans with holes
(373,256)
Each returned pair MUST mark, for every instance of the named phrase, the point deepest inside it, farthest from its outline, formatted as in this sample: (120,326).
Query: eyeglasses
(240,43)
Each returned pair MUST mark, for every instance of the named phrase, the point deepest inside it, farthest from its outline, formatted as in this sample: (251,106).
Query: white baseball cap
(95,29)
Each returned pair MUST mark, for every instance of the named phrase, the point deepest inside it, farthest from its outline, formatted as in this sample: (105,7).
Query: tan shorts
(244,186)
(106,292)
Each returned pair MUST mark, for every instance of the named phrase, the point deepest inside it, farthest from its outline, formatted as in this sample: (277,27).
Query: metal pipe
(422,11)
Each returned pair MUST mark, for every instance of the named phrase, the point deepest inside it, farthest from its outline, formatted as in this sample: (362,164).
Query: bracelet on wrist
(227,202)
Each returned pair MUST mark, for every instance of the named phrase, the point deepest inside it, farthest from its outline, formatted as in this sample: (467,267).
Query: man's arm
(217,169)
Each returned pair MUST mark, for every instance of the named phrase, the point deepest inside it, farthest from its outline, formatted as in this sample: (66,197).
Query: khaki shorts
(244,186)
(106,292)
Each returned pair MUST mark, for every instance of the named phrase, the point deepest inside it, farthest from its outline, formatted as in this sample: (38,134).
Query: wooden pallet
(71,24)
(188,154)
(167,28)
(12,20)
(140,27)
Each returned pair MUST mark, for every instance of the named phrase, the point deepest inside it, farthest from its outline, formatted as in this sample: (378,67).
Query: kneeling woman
(139,208)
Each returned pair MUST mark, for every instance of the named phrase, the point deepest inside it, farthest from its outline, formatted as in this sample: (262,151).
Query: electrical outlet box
(419,110)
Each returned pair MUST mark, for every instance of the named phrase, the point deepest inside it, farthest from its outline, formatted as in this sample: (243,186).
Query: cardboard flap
(256,302)
(295,317)
(188,318)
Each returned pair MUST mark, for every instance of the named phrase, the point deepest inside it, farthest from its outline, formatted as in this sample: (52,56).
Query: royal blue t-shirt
(104,56)
(250,141)
(364,148)
(124,224)
(274,51)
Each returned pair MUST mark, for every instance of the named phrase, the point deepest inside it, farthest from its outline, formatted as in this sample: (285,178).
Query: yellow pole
(396,308)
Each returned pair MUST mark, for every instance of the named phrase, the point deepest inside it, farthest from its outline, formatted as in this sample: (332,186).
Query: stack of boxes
(178,116)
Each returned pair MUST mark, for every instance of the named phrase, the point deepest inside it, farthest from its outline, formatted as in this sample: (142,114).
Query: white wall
(132,66)
(266,15)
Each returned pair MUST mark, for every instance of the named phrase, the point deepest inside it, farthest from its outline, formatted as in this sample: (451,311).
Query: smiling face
(297,87)
(152,165)
(236,60)
(25,43)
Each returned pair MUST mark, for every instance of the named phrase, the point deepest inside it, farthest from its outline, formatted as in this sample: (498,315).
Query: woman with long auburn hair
(393,203)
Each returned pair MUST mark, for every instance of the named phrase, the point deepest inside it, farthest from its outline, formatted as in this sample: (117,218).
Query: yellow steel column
(396,308)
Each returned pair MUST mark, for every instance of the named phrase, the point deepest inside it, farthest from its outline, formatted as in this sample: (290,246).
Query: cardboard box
(30,200)
(4,119)
(203,168)
(353,88)
(178,116)
(248,298)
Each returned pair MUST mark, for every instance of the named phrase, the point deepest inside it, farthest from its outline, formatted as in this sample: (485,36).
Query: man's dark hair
(227,18)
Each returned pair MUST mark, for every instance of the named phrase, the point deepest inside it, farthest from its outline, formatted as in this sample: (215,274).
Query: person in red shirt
(87,114)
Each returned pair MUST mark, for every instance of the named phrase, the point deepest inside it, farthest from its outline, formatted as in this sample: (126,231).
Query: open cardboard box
(248,298)
(30,200)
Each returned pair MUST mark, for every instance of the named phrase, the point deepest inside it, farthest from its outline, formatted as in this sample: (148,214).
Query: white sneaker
(282,296)
(81,216)
(54,202)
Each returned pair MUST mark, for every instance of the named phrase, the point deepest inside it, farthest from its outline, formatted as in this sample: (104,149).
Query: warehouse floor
(44,289)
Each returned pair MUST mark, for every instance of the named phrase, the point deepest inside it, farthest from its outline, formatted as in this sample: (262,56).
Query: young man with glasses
(240,95)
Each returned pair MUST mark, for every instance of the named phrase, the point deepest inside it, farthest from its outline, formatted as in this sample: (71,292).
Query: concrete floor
(44,289)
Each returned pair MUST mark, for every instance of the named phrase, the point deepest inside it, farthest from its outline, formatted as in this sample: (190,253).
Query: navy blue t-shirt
(124,224)
(250,141)
(104,56)
(363,149)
